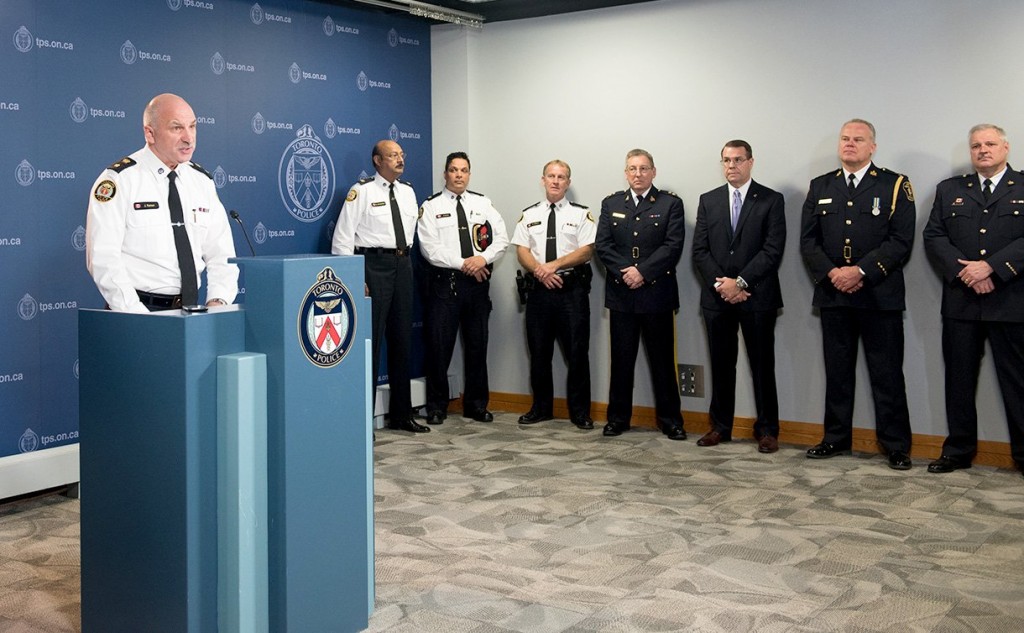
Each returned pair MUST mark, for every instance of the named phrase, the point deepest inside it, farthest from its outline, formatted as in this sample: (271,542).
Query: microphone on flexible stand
(237,218)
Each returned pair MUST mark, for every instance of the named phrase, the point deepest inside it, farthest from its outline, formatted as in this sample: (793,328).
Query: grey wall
(680,79)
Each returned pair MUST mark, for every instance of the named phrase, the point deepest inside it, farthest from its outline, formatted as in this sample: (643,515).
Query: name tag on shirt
(824,200)
(378,204)
(146,205)
(618,215)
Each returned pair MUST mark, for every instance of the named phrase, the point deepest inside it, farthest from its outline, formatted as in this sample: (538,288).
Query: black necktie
(186,262)
(852,184)
(464,241)
(551,248)
(986,190)
(396,219)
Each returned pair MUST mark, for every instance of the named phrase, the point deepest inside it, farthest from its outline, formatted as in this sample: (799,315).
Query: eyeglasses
(643,169)
(734,161)
(394,155)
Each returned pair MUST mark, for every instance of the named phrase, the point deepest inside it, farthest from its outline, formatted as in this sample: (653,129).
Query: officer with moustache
(378,221)
(975,237)
(856,235)
(640,240)
(461,235)
(554,244)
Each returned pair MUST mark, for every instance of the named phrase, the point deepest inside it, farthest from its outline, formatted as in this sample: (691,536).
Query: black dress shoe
(483,415)
(946,464)
(436,417)
(824,450)
(533,417)
(409,425)
(582,422)
(674,432)
(898,460)
(611,429)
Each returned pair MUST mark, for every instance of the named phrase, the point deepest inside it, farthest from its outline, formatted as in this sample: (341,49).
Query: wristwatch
(740,283)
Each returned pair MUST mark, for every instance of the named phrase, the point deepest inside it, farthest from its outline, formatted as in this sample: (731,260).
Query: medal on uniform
(875,206)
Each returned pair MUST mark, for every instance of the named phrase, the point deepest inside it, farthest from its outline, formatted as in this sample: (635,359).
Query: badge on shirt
(105,191)
(482,236)
(876,208)
(959,202)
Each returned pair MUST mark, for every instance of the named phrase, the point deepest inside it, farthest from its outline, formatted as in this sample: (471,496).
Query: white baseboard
(39,470)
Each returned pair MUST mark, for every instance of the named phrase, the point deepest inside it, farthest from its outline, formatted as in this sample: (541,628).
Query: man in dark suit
(856,235)
(737,248)
(640,240)
(975,237)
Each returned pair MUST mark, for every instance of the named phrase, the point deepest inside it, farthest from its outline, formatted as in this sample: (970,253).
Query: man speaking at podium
(155,222)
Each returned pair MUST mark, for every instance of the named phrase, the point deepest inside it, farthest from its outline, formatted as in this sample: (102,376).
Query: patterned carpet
(488,528)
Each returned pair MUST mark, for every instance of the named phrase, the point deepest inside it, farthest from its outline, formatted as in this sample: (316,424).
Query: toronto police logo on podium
(327,320)
(306,176)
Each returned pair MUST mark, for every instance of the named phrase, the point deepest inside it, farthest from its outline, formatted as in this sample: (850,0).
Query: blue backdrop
(267,81)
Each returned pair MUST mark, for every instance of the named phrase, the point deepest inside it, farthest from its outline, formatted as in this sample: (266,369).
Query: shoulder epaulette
(578,205)
(404,182)
(122,164)
(475,193)
(433,196)
(671,193)
(199,168)
(617,193)
(363,181)
(529,207)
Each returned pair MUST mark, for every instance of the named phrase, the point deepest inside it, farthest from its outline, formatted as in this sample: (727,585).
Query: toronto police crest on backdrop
(289,102)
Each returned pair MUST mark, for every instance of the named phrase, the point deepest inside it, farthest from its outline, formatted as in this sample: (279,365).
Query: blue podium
(149,454)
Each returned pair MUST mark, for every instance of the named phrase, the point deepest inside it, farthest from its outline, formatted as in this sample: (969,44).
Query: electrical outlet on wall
(691,381)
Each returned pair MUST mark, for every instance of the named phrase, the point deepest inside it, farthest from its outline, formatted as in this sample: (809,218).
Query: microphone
(237,218)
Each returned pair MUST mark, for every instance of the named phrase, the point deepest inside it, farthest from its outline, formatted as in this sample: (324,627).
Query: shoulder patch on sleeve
(353,193)
(199,168)
(122,164)
(105,191)
(909,190)
(521,216)
(590,216)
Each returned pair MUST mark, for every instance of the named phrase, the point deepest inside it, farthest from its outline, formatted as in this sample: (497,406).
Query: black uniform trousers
(658,332)
(758,326)
(562,315)
(882,333)
(456,301)
(963,345)
(389,278)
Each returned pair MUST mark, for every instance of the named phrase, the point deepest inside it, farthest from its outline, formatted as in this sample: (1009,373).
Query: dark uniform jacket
(649,237)
(753,251)
(963,226)
(872,229)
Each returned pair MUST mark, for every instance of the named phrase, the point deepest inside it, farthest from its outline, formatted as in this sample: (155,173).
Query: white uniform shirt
(575,228)
(365,219)
(438,229)
(129,241)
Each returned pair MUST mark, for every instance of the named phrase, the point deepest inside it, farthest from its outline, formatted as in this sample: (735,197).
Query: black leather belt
(158,301)
(376,250)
